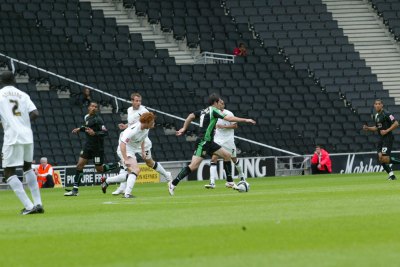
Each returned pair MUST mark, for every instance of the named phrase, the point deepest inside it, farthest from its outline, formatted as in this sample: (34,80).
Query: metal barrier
(214,58)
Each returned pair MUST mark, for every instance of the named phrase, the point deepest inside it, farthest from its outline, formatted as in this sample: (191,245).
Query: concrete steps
(371,39)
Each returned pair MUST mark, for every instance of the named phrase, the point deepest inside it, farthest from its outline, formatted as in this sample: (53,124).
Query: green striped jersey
(208,119)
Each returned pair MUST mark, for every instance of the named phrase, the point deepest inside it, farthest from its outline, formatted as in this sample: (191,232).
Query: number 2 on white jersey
(15,110)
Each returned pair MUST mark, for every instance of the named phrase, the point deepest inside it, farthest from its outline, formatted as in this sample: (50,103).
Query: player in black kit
(94,146)
(385,123)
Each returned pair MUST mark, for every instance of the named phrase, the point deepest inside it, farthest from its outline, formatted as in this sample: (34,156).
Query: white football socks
(31,180)
(130,183)
(160,169)
(239,169)
(18,188)
(120,178)
(213,173)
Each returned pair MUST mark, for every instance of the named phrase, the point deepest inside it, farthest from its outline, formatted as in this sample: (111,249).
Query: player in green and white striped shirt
(205,142)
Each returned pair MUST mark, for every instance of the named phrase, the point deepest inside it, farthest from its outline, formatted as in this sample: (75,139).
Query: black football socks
(181,175)
(110,166)
(228,171)
(386,167)
(77,179)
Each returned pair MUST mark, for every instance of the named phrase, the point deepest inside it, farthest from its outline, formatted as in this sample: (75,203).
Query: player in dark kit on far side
(94,146)
(385,123)
(205,142)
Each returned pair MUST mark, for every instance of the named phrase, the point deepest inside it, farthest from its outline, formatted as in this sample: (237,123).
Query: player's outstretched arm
(231,126)
(237,119)
(369,128)
(188,120)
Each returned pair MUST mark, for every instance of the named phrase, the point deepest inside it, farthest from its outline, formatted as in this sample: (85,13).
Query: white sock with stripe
(31,180)
(120,178)
(130,183)
(160,169)
(18,189)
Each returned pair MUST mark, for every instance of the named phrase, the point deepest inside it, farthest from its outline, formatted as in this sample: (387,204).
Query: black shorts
(385,145)
(96,155)
(203,148)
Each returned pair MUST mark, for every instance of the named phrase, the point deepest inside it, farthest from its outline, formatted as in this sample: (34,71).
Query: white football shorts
(228,145)
(15,155)
(131,152)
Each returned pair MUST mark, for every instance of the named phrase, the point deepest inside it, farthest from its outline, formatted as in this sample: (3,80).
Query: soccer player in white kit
(132,141)
(134,113)
(16,112)
(225,137)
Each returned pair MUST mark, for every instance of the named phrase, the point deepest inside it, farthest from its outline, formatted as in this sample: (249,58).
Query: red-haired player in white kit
(131,142)
(134,113)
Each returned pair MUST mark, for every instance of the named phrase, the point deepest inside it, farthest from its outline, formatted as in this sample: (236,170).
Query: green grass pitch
(334,220)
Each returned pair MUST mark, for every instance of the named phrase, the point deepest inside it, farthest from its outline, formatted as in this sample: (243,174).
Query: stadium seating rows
(390,11)
(289,102)
(311,40)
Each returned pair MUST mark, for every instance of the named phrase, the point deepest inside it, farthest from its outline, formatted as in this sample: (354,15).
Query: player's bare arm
(76,130)
(122,146)
(90,131)
(232,126)
(370,128)
(237,119)
(122,126)
(188,120)
(33,114)
(391,128)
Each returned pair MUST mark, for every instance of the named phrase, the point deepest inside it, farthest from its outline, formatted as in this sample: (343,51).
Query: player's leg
(213,172)
(151,163)
(156,165)
(82,161)
(221,152)
(185,171)
(31,177)
(122,185)
(230,146)
(133,170)
(120,189)
(239,169)
(106,167)
(120,178)
(197,158)
(385,166)
(12,156)
(384,156)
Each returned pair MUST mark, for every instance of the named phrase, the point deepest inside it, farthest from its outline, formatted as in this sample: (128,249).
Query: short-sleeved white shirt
(134,114)
(224,135)
(15,107)
(133,136)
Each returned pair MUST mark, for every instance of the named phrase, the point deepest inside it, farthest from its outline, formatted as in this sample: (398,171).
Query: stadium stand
(311,40)
(389,10)
(296,86)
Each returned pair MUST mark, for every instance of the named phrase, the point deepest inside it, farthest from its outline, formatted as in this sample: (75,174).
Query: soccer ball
(242,187)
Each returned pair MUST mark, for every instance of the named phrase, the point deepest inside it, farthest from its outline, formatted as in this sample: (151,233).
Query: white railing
(116,99)
(211,58)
